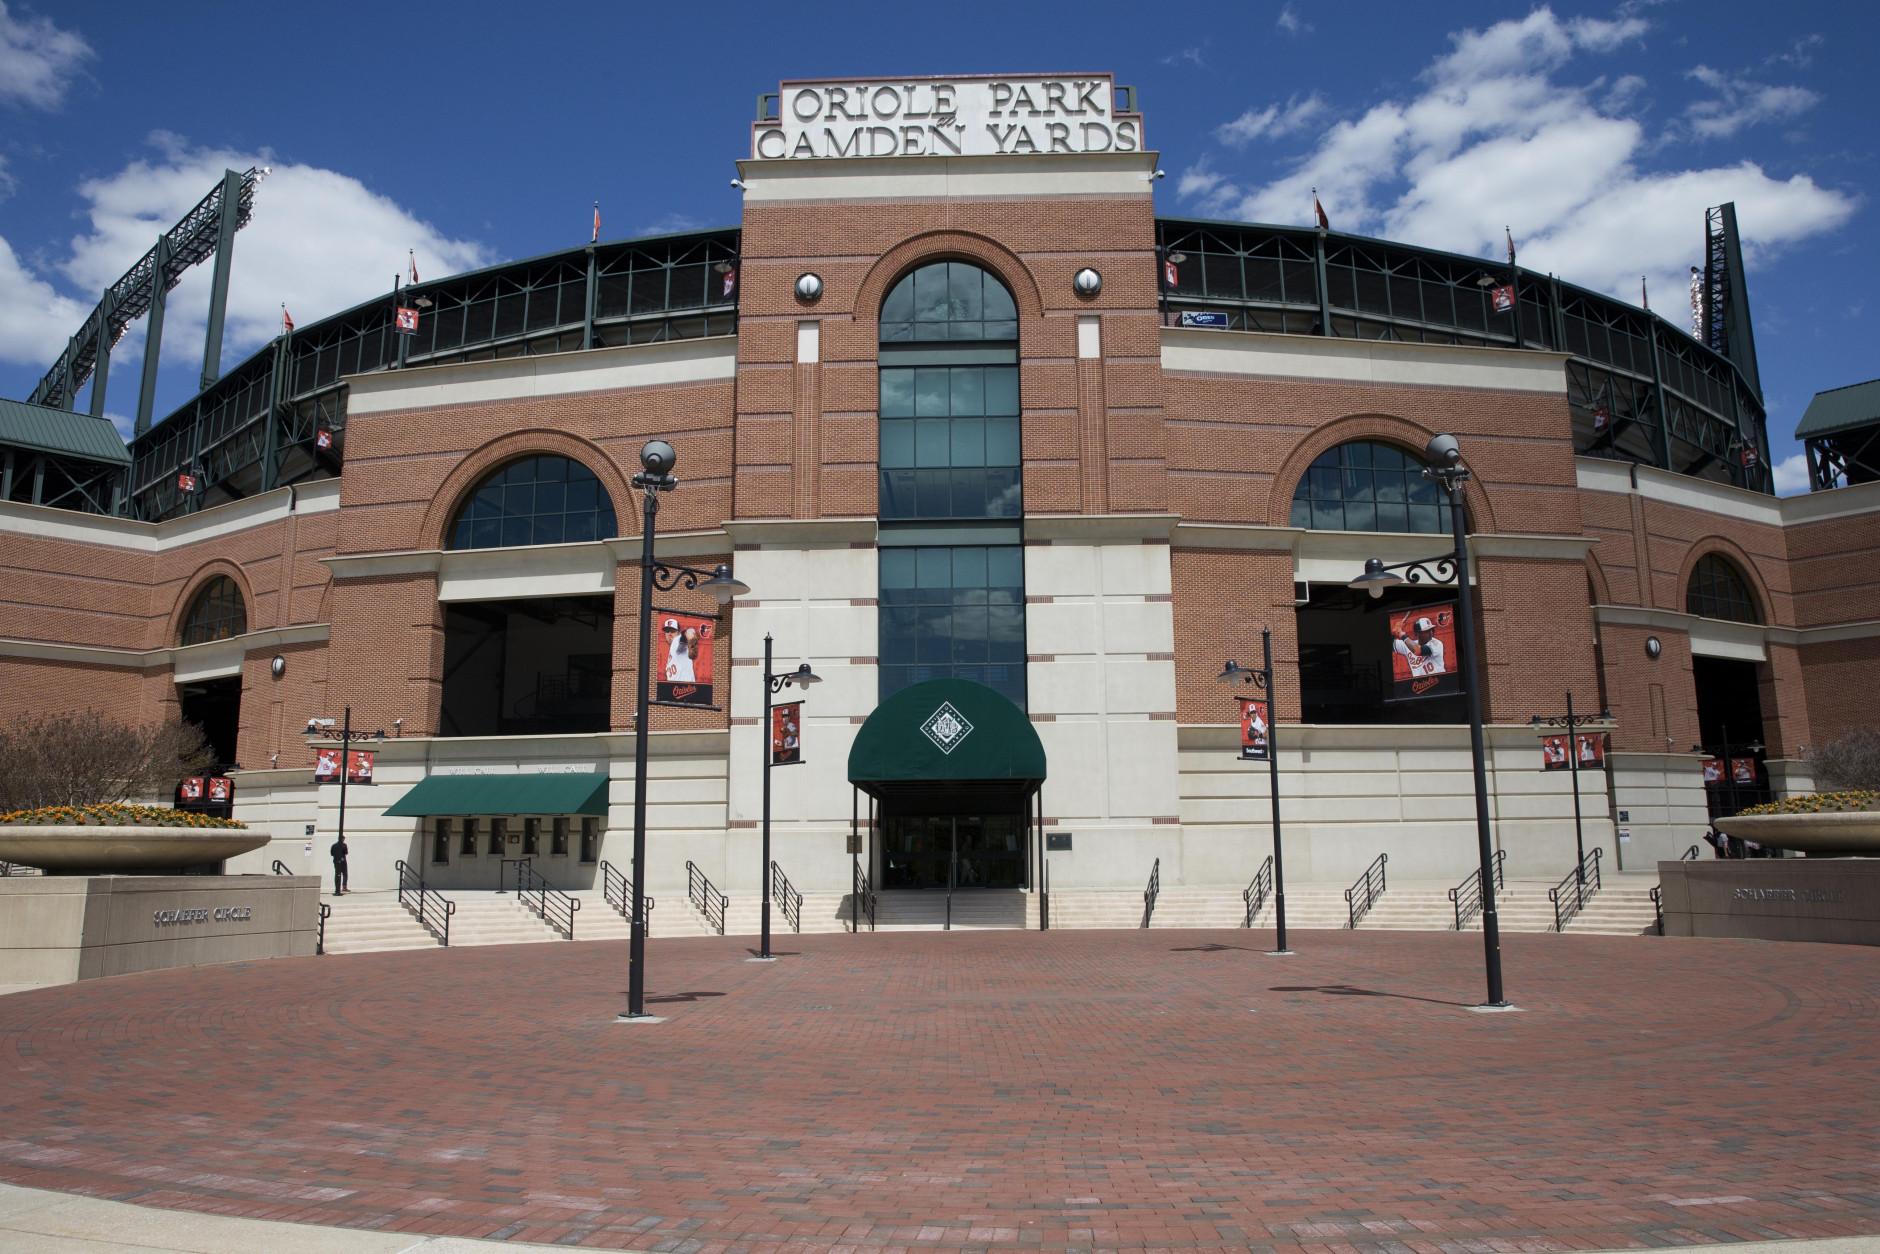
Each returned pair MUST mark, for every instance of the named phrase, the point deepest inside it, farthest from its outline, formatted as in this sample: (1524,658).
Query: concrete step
(372,923)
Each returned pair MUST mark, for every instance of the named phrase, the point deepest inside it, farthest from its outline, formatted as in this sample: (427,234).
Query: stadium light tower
(1445,467)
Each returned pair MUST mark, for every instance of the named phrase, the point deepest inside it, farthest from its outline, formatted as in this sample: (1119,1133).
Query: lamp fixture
(802,677)
(809,287)
(1375,578)
(1235,673)
(1087,282)
(724,585)
(278,666)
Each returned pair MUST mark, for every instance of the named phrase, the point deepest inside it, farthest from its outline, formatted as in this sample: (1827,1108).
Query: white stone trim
(800,533)
(1714,637)
(1597,474)
(1089,336)
(194,661)
(1100,528)
(808,342)
(673,363)
(160,537)
(1326,359)
(586,567)
(938,178)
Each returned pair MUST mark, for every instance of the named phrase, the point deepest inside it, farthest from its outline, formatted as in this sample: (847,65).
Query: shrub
(112,815)
(1818,802)
(1853,761)
(91,759)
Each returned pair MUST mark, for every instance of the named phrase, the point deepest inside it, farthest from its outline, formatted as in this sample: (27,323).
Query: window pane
(897,568)
(1328,516)
(968,386)
(930,293)
(998,302)
(1357,453)
(933,441)
(969,441)
(969,568)
(935,568)
(930,392)
(1002,442)
(1001,383)
(897,443)
(964,284)
(1392,517)
(1005,567)
(537,500)
(897,393)
(899,307)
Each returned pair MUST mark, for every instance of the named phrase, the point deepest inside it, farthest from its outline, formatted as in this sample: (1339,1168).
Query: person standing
(339,851)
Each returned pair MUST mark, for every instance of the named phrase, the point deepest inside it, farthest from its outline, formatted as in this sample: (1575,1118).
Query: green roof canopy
(61,431)
(1841,409)
(503,794)
(946,731)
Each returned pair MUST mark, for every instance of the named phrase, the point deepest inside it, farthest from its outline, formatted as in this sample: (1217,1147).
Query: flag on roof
(414,265)
(1510,233)
(287,320)
(1319,210)
(597,222)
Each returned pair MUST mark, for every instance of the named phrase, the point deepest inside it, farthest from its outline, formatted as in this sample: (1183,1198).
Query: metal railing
(787,898)
(1466,897)
(280,868)
(1658,908)
(319,937)
(431,908)
(1362,895)
(1044,895)
(545,901)
(1690,855)
(1150,893)
(617,892)
(863,901)
(1570,894)
(1256,893)
(14,868)
(705,897)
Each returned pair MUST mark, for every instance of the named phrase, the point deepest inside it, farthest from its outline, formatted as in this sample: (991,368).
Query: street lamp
(657,459)
(1445,467)
(803,677)
(319,729)
(1262,679)
(1572,722)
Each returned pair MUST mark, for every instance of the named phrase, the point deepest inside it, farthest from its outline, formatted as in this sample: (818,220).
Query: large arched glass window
(948,300)
(537,500)
(216,614)
(1718,590)
(1367,486)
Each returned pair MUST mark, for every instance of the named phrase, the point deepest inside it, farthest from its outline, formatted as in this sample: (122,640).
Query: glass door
(963,852)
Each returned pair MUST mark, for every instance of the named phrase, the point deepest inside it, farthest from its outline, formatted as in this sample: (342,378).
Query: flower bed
(113,815)
(1819,803)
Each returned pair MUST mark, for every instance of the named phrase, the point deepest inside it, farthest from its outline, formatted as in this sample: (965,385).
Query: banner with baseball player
(683,647)
(359,766)
(1554,753)
(1255,743)
(1592,750)
(326,766)
(1422,644)
(786,734)
(1713,770)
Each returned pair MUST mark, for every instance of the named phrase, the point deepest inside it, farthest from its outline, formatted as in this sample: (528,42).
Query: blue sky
(475,132)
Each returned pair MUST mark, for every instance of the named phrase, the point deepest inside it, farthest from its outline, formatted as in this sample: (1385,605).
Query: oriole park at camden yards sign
(947,117)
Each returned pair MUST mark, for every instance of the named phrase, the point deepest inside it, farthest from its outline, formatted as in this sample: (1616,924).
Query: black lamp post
(803,677)
(1445,467)
(1262,679)
(1572,723)
(322,729)
(657,459)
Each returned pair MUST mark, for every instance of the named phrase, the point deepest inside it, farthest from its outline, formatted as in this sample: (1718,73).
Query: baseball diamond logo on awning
(946,727)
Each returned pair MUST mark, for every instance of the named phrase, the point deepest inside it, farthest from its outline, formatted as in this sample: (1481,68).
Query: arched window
(216,614)
(948,300)
(1368,486)
(537,500)
(1718,590)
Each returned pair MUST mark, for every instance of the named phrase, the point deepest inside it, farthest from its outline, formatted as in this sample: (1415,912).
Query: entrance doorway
(953,851)
(215,705)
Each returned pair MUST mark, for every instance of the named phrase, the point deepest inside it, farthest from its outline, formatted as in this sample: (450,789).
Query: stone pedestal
(55,929)
(1836,900)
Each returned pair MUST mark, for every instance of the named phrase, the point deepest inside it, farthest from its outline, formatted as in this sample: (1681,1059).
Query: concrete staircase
(490,919)
(979,909)
(370,922)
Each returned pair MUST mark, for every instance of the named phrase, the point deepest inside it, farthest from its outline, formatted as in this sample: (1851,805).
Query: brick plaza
(985,1090)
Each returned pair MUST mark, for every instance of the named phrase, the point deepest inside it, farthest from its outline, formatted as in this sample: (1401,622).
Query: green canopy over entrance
(539,793)
(946,732)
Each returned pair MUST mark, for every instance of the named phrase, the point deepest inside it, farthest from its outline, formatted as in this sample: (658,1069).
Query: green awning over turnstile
(946,731)
(503,794)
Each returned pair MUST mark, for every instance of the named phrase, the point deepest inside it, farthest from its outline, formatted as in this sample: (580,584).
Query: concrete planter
(1843,833)
(75,850)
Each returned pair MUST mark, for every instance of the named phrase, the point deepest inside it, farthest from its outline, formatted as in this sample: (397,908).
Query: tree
(1852,761)
(90,758)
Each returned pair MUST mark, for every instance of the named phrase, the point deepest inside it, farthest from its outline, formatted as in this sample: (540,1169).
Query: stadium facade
(955,403)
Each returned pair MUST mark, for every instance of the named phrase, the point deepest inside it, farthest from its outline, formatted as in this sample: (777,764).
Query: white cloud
(37,60)
(35,320)
(320,241)
(1290,22)
(1791,475)
(1188,54)
(1272,121)
(1740,103)
(1492,140)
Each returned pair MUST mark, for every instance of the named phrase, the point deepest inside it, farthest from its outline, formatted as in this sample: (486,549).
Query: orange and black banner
(684,643)
(359,766)
(1591,747)
(1256,742)
(786,734)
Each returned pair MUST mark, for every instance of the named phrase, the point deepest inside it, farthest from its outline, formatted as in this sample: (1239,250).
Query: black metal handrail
(545,901)
(1362,895)
(1044,895)
(787,898)
(431,908)
(705,897)
(319,937)
(280,868)
(1150,893)
(1658,907)
(14,868)
(1256,893)
(1466,897)
(1570,894)
(864,896)
(1690,855)
(615,892)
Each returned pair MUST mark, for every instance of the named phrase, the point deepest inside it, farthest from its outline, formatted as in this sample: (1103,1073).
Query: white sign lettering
(955,117)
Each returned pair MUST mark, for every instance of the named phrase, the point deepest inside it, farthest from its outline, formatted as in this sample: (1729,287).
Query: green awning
(946,731)
(503,794)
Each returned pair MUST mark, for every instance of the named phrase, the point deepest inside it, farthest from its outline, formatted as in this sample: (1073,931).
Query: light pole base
(1279,953)
(772,958)
(1496,1008)
(640,1018)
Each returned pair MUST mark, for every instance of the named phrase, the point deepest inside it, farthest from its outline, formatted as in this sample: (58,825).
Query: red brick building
(954,402)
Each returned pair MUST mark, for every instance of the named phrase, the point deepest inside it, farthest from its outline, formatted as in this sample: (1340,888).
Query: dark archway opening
(532,667)
(1729,719)
(215,705)
(1345,659)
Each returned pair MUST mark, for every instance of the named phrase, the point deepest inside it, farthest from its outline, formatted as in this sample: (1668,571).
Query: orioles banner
(1256,743)
(685,642)
(1591,749)
(1422,642)
(358,766)
(786,734)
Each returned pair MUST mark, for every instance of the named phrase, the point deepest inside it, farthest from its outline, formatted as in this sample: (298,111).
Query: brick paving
(980,1091)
